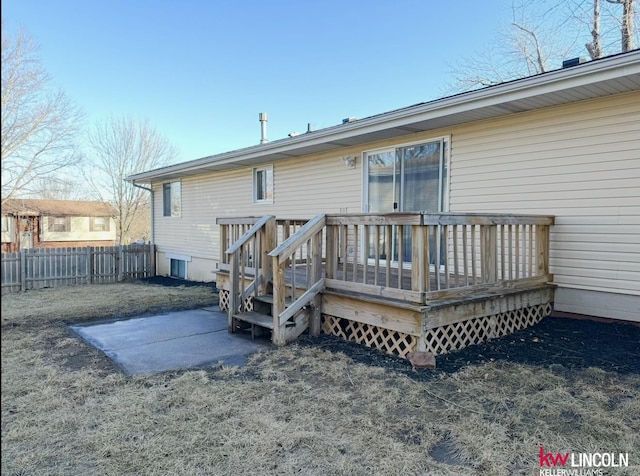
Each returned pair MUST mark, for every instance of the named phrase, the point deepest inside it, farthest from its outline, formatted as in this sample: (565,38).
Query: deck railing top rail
(249,234)
(304,234)
(449,218)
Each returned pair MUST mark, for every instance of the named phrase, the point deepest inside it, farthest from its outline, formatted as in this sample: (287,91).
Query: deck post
(542,249)
(488,253)
(417,260)
(268,244)
(332,251)
(316,273)
(234,292)
(279,291)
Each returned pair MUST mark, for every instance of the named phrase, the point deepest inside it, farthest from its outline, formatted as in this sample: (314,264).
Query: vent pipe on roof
(263,127)
(573,62)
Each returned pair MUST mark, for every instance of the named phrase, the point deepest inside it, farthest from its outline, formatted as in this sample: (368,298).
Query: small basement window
(178,269)
(178,265)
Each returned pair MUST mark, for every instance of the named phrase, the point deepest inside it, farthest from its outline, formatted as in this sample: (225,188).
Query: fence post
(87,265)
(119,263)
(23,270)
(152,260)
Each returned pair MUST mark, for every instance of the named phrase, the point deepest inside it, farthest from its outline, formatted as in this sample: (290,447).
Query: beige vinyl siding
(302,188)
(579,162)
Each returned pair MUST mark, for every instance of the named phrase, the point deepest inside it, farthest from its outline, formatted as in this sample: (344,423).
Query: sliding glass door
(410,178)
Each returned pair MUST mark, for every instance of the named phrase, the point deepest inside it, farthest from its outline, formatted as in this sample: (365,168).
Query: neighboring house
(32,223)
(563,143)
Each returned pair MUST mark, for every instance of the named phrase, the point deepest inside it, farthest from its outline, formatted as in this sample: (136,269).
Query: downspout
(151,238)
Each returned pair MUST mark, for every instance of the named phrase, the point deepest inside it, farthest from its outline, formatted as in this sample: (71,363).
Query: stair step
(269,299)
(255,318)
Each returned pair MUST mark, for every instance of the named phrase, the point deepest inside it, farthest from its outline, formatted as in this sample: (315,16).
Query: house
(557,152)
(33,223)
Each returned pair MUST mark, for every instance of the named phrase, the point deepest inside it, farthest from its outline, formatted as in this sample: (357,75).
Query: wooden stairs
(260,319)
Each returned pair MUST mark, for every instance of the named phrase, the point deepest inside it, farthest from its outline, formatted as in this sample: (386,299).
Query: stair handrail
(312,230)
(262,278)
(249,234)
(285,249)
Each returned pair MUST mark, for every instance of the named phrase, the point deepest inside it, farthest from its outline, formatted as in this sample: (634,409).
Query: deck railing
(231,229)
(411,257)
(247,259)
(302,250)
(417,257)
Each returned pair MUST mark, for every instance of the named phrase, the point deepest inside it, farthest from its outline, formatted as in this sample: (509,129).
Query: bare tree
(595,48)
(626,24)
(39,124)
(543,34)
(121,147)
(59,188)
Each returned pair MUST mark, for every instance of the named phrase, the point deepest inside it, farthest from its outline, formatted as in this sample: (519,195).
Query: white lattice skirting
(223,301)
(440,340)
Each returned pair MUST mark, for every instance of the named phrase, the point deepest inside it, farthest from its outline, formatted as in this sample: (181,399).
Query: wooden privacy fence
(53,267)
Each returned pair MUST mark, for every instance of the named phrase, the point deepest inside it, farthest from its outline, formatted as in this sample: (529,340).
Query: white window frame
(267,184)
(175,199)
(99,224)
(443,188)
(444,193)
(185,258)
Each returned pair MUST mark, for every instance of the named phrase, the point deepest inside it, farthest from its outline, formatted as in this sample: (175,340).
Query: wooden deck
(492,277)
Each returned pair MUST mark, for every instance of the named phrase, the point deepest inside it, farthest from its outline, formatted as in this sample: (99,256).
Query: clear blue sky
(201,71)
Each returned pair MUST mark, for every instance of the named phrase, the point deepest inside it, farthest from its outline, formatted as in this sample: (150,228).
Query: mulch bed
(566,344)
(174,282)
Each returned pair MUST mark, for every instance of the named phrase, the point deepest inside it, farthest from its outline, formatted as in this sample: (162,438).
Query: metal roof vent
(349,119)
(573,62)
(263,127)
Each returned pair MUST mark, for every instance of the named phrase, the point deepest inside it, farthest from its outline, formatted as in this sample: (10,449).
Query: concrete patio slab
(172,341)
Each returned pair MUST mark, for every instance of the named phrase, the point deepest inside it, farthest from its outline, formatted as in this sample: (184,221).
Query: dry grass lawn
(303,409)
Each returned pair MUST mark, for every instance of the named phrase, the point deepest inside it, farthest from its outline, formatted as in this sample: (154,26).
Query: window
(406,178)
(178,265)
(99,223)
(59,224)
(172,199)
(263,184)
(5,224)
(178,269)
